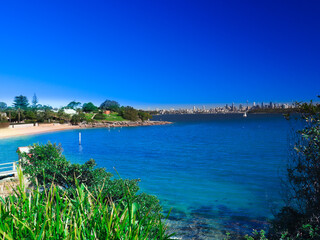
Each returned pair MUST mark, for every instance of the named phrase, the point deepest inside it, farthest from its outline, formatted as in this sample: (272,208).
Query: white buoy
(79,138)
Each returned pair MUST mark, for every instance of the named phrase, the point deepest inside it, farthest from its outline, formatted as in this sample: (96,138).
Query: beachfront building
(70,111)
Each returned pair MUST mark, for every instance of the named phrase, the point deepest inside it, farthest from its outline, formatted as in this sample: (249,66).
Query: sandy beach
(15,132)
(44,128)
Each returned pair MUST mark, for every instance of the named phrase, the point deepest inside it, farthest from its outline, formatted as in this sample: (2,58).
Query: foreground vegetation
(74,201)
(54,213)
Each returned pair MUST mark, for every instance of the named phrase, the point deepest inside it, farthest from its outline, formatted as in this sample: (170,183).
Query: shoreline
(6,133)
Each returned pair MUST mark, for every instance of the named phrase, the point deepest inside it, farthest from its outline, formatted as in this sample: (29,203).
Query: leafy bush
(100,116)
(144,115)
(46,164)
(53,214)
(129,113)
(77,118)
(30,115)
(3,119)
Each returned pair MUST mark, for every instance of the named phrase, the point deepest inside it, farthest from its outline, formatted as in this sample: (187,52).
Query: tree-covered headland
(22,111)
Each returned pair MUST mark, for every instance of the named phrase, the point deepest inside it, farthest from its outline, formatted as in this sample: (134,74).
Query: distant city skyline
(60,103)
(160,53)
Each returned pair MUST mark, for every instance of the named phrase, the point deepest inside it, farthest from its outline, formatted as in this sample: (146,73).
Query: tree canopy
(129,113)
(74,105)
(35,101)
(21,102)
(110,105)
(3,106)
(89,107)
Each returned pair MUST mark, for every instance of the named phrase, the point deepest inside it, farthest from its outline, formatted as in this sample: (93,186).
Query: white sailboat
(245,114)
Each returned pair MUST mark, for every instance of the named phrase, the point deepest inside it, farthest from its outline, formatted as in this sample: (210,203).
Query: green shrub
(144,115)
(100,116)
(78,118)
(47,164)
(53,214)
(129,113)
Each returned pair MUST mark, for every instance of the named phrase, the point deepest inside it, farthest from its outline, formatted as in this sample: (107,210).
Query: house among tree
(107,112)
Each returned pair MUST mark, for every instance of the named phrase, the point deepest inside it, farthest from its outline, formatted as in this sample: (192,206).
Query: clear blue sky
(154,53)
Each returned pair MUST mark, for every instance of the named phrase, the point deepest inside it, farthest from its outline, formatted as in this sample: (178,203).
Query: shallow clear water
(217,172)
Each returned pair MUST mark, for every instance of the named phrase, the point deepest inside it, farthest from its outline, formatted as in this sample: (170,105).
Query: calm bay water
(217,172)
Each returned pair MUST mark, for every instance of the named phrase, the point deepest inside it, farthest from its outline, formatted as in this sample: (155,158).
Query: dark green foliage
(3,106)
(89,107)
(73,105)
(47,164)
(62,116)
(21,102)
(99,116)
(78,118)
(54,213)
(110,105)
(144,116)
(129,113)
(34,101)
(30,115)
(17,116)
(3,119)
(45,114)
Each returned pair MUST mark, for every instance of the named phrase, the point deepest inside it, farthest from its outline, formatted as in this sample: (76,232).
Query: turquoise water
(218,172)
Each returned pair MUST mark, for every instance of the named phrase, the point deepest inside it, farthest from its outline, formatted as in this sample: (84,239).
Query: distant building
(107,112)
(70,111)
(271,105)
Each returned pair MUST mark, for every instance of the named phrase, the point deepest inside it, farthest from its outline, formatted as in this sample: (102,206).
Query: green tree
(3,106)
(144,116)
(64,117)
(46,114)
(77,118)
(21,102)
(129,113)
(73,105)
(45,164)
(30,115)
(35,101)
(110,105)
(16,115)
(89,107)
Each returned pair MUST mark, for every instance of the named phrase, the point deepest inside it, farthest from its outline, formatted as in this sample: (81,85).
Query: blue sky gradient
(157,53)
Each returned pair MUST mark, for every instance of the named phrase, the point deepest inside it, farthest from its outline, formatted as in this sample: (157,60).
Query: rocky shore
(123,124)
